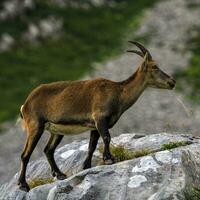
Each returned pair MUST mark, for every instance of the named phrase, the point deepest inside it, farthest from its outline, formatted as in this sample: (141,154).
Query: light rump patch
(65,129)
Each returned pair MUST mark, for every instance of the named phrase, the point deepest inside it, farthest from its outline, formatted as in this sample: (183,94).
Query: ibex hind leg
(35,130)
(49,150)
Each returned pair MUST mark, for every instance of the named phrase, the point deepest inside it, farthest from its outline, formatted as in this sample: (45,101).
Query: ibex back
(74,107)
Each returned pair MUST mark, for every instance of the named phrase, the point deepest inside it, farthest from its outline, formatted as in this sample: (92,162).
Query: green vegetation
(189,79)
(192,194)
(89,35)
(39,181)
(172,145)
(120,153)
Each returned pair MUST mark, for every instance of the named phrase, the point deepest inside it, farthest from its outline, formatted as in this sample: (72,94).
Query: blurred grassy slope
(190,77)
(89,36)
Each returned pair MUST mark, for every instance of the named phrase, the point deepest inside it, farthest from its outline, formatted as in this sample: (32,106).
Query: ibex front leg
(102,127)
(94,137)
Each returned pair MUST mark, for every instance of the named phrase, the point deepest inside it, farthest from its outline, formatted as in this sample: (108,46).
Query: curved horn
(142,48)
(137,52)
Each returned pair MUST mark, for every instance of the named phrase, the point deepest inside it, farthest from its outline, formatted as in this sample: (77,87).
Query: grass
(88,36)
(189,78)
(172,145)
(192,194)
(40,181)
(121,154)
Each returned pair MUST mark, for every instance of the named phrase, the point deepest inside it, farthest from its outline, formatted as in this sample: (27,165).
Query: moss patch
(172,145)
(192,194)
(120,153)
(39,181)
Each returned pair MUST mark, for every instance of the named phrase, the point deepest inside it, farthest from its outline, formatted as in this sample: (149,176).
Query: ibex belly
(66,129)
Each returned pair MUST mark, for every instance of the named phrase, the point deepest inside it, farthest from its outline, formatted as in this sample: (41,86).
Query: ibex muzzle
(160,79)
(71,107)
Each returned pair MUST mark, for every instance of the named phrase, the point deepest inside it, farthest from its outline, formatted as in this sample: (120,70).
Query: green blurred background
(88,35)
(85,33)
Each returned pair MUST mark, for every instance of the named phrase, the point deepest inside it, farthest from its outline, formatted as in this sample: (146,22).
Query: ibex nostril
(172,83)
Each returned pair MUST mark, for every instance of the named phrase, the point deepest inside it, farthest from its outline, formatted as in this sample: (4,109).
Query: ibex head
(155,77)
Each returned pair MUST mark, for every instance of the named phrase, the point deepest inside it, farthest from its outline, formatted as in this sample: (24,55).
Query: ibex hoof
(24,187)
(109,161)
(87,164)
(59,175)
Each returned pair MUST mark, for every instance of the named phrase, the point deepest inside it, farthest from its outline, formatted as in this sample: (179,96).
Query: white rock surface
(155,111)
(161,175)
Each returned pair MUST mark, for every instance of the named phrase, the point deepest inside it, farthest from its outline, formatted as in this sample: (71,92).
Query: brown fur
(68,107)
(76,102)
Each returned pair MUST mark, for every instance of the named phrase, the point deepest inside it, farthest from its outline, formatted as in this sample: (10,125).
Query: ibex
(70,107)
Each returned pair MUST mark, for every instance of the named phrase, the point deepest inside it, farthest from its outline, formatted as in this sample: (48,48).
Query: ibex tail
(20,119)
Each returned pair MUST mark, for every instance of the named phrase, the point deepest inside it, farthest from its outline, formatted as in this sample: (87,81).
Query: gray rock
(48,27)
(39,192)
(157,176)
(13,8)
(6,42)
(163,175)
(154,142)
(32,34)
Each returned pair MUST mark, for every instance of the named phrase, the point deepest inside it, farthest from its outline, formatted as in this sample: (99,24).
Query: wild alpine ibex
(70,107)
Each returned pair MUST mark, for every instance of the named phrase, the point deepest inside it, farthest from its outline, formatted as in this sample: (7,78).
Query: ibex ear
(145,62)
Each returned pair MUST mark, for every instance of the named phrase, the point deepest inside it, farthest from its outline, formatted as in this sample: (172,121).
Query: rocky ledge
(164,166)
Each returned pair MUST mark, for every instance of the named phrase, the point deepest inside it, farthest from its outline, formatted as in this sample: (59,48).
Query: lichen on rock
(158,176)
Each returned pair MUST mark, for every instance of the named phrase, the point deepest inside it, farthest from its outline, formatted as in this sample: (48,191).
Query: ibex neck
(132,89)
